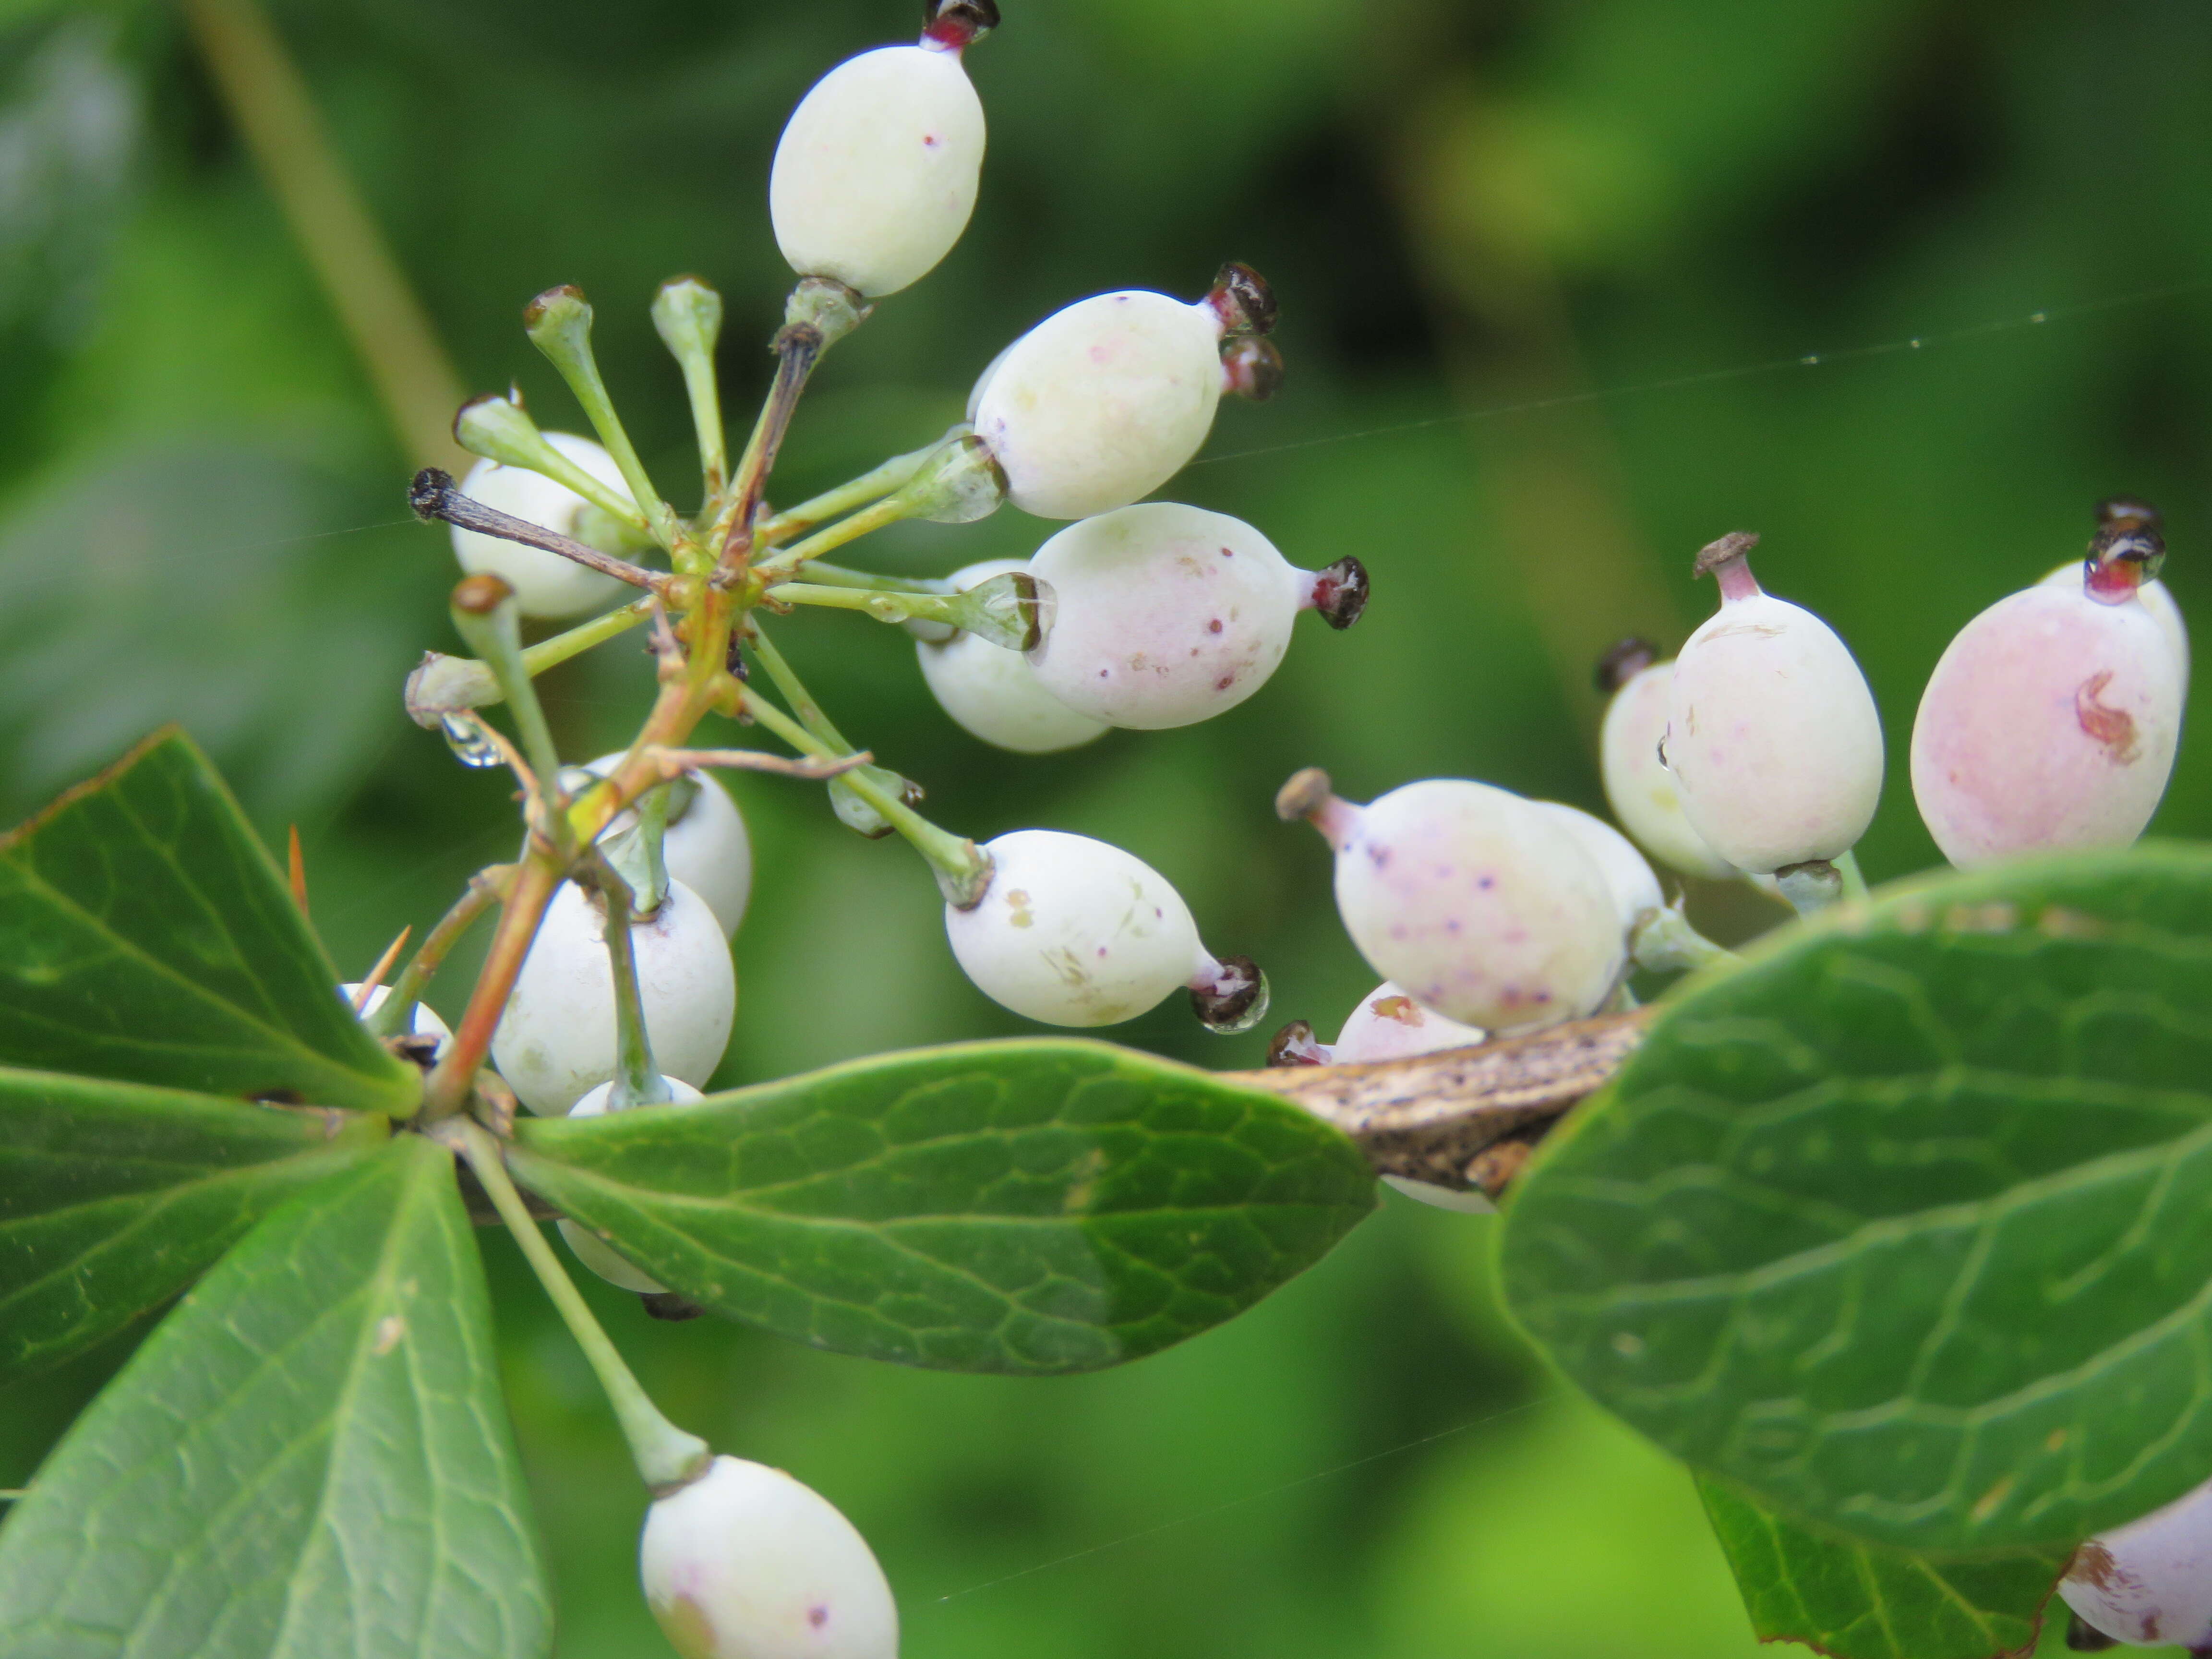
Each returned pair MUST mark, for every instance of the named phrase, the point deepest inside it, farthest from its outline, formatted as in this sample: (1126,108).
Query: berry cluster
(1757,753)
(611,985)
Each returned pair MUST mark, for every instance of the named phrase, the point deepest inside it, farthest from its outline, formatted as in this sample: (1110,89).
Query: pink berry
(1471,898)
(2051,720)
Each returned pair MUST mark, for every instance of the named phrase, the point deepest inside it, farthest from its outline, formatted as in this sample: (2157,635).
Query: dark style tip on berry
(1240,296)
(1251,367)
(1624,662)
(1340,593)
(957,23)
(1236,1001)
(2083,1636)
(1729,549)
(667,1304)
(1304,795)
(428,493)
(2126,551)
(1295,1045)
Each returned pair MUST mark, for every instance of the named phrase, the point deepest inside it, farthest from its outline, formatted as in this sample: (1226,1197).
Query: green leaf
(1905,1226)
(309,1456)
(1856,1603)
(114,1197)
(1027,1206)
(145,935)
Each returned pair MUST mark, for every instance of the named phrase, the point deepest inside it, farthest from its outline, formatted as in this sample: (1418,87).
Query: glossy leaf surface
(1905,1226)
(113,1197)
(1856,1603)
(1025,1207)
(145,935)
(309,1457)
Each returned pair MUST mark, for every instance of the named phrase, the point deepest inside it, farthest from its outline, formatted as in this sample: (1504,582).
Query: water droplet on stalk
(470,743)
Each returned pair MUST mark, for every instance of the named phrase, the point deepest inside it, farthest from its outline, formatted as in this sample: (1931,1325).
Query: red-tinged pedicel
(2049,724)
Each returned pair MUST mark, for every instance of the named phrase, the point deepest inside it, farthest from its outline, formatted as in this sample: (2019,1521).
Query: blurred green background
(1521,247)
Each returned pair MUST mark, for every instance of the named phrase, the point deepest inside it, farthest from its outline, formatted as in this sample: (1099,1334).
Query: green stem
(689,316)
(870,486)
(559,324)
(268,99)
(796,694)
(496,638)
(552,652)
(891,509)
(962,869)
(653,808)
(1666,942)
(500,430)
(883,605)
(1854,883)
(637,1080)
(765,713)
(485,889)
(838,575)
(461,683)
(667,1457)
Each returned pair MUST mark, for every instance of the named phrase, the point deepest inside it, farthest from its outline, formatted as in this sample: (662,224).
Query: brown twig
(367,988)
(1433,1117)
(798,347)
(535,881)
(434,494)
(485,889)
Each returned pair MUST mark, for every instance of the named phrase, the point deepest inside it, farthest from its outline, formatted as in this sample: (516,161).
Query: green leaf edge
(2194,858)
(384,1084)
(344,1136)
(536,1592)
(1719,1495)
(537,1140)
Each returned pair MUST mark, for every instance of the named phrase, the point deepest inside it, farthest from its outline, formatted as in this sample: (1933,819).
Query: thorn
(298,871)
(383,967)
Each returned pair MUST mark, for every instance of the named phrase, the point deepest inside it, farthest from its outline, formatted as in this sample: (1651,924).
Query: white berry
(2050,723)
(1771,732)
(1073,931)
(546,585)
(1162,615)
(556,1039)
(993,693)
(1634,887)
(706,849)
(746,1563)
(1102,403)
(1471,899)
(424,1023)
(1640,790)
(876,172)
(588,1247)
(1388,1024)
(2149,1582)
